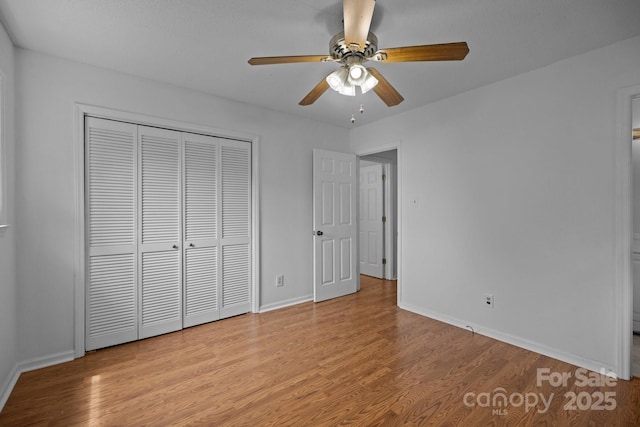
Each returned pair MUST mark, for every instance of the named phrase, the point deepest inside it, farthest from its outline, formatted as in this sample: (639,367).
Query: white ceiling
(205,44)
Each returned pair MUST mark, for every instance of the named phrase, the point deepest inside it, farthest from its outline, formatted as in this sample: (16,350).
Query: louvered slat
(236,180)
(111,186)
(160,189)
(201,204)
(161,287)
(111,298)
(200,280)
(235,275)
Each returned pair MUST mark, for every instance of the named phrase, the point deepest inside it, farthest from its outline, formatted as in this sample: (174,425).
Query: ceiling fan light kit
(355,46)
(369,83)
(345,79)
(338,78)
(347,89)
(356,73)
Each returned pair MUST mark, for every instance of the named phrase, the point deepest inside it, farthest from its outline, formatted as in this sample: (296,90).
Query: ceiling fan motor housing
(341,52)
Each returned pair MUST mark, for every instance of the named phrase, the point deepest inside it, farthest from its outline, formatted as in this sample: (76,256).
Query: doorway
(378,214)
(623,236)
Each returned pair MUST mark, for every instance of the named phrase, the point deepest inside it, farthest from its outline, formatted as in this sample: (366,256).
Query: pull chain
(353,115)
(353,105)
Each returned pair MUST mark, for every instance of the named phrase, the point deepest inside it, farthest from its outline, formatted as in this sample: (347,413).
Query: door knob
(319,233)
(175,246)
(191,245)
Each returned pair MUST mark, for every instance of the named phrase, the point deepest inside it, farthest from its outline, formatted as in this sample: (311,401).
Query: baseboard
(286,303)
(572,359)
(30,365)
(44,361)
(8,385)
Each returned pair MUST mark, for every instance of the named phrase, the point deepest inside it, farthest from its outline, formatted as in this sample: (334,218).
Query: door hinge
(384,177)
(384,261)
(384,219)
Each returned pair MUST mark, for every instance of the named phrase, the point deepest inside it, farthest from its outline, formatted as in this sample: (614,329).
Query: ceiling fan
(355,46)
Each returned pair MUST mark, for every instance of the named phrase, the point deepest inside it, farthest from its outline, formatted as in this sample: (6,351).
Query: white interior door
(334,223)
(201,223)
(235,244)
(112,297)
(371,221)
(160,236)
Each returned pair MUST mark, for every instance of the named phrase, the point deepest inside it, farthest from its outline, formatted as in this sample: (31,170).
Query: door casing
(372,221)
(623,231)
(372,151)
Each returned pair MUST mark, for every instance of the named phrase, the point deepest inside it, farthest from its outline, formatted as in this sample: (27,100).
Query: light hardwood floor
(357,360)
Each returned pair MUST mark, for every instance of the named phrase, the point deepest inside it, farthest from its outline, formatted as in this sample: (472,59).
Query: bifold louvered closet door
(168,230)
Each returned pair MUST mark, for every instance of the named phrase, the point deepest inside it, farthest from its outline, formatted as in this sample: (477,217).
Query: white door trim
(79,273)
(378,268)
(623,231)
(398,214)
(389,191)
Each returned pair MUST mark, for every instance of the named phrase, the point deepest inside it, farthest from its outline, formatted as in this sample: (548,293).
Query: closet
(168,230)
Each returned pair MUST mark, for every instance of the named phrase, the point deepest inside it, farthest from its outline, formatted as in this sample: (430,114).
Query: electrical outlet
(488,300)
(280,280)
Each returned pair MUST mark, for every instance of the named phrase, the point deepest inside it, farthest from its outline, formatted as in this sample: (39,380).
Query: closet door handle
(175,246)
(191,245)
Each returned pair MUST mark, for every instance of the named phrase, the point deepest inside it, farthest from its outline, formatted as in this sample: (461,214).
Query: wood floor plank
(357,360)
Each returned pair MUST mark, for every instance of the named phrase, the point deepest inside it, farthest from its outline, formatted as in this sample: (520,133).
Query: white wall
(47,89)
(515,182)
(8,284)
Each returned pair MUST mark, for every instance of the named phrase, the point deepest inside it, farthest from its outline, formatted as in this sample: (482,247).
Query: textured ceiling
(205,44)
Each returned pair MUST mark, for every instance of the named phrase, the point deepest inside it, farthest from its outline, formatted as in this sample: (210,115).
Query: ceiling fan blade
(384,90)
(315,93)
(357,20)
(269,60)
(428,52)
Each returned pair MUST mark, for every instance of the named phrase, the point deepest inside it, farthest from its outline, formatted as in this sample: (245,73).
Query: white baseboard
(44,361)
(8,385)
(30,365)
(591,365)
(286,303)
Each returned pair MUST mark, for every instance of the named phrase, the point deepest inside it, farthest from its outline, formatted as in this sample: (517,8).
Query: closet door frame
(80,248)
